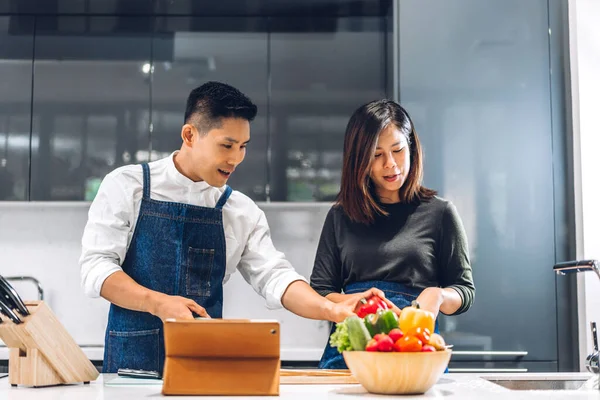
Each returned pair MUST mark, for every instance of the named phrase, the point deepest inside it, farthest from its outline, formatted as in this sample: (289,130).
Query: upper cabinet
(16,54)
(189,51)
(96,85)
(320,73)
(91,102)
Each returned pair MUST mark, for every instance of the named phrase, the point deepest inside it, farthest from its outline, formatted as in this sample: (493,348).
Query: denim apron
(399,294)
(177,249)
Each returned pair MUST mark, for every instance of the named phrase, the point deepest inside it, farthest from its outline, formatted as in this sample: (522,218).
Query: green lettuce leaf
(340,338)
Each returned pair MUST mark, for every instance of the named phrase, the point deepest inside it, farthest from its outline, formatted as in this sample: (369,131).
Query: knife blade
(138,373)
(11,297)
(4,308)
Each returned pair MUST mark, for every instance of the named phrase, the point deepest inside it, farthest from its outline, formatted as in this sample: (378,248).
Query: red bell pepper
(370,306)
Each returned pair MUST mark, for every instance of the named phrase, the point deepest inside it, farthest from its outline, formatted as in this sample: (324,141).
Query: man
(162,238)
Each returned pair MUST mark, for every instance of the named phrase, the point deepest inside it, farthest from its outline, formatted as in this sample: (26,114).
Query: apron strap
(224,197)
(146,170)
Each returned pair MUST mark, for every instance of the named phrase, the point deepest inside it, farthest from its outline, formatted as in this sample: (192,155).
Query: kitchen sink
(546,383)
(540,384)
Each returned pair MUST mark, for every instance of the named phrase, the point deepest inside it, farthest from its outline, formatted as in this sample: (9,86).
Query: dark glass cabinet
(96,85)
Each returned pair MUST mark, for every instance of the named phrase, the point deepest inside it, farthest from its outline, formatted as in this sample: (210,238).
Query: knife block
(42,353)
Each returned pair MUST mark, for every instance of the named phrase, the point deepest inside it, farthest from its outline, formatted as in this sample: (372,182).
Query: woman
(386,230)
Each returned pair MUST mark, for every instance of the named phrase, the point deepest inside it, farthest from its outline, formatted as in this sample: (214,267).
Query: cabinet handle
(490,353)
(30,279)
(487,369)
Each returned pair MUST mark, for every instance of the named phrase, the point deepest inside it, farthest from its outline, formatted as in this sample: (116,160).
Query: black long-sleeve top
(422,244)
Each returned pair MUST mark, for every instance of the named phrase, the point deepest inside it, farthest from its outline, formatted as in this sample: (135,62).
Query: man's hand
(302,300)
(165,306)
(354,299)
(376,292)
(340,311)
(347,304)
(123,291)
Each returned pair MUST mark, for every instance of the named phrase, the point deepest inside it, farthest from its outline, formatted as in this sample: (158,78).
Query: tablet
(221,357)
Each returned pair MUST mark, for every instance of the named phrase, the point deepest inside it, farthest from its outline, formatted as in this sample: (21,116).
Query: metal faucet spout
(567,267)
(592,362)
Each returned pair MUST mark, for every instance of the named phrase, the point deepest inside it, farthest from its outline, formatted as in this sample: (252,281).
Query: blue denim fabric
(177,249)
(399,294)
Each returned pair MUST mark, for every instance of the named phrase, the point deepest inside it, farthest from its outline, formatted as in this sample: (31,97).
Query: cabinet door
(16,54)
(476,78)
(190,51)
(90,102)
(322,69)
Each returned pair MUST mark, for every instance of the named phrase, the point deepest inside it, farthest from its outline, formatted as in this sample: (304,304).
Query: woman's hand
(431,299)
(435,299)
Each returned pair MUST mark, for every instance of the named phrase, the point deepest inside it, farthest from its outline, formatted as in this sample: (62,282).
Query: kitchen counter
(450,386)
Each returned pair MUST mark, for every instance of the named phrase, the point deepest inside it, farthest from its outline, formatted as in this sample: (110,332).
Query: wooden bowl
(397,373)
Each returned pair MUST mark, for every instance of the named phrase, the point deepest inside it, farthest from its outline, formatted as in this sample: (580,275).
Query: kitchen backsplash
(42,240)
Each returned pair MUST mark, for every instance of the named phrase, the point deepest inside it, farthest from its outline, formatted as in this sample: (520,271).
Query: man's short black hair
(208,104)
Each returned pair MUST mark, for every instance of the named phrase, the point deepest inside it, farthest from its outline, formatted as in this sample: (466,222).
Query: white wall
(584,42)
(43,240)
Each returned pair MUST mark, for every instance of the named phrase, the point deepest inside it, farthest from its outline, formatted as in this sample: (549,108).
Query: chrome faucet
(564,268)
(591,362)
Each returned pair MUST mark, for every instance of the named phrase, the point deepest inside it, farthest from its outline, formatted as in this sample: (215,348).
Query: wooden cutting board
(316,377)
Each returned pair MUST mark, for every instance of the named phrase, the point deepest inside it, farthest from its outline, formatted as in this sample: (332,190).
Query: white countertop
(450,386)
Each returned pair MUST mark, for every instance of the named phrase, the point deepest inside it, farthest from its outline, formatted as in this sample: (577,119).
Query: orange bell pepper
(414,317)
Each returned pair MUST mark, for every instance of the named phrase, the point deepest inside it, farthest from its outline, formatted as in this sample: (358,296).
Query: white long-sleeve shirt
(113,215)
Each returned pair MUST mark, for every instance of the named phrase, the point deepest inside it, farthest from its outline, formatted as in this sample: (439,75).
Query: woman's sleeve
(455,267)
(326,274)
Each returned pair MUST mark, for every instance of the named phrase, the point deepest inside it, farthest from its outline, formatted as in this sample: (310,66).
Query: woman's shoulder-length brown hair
(357,195)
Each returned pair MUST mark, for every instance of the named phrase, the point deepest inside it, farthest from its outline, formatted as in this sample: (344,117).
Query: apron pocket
(135,350)
(199,270)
